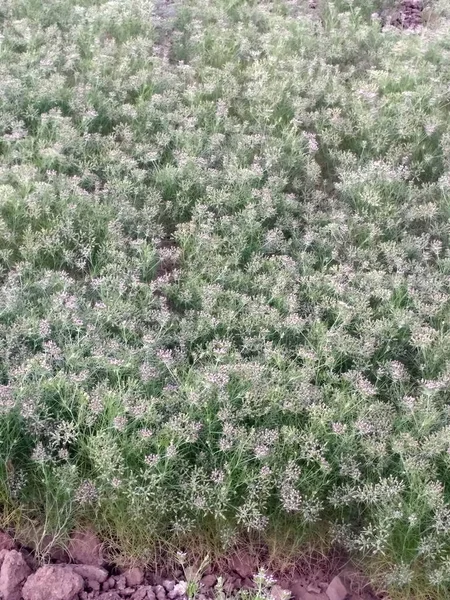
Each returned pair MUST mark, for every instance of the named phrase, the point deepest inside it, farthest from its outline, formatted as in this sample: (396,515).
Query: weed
(224,253)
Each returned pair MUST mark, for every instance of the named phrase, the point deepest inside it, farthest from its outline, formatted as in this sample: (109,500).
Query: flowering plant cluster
(224,261)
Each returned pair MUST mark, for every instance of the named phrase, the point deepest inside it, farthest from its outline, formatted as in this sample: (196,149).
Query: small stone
(134,576)
(13,574)
(168,585)
(85,548)
(120,582)
(91,572)
(94,585)
(53,582)
(337,590)
(111,582)
(208,581)
(315,589)
(6,541)
(129,591)
(140,594)
(109,596)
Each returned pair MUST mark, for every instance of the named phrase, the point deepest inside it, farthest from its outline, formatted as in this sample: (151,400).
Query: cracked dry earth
(88,577)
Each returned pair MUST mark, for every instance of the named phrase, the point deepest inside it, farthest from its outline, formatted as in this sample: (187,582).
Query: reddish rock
(91,572)
(6,541)
(134,576)
(13,574)
(337,590)
(84,547)
(53,582)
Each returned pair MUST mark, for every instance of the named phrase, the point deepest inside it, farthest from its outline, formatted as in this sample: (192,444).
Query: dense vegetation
(224,251)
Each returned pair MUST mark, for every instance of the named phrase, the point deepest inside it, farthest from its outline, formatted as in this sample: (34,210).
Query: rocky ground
(409,15)
(88,577)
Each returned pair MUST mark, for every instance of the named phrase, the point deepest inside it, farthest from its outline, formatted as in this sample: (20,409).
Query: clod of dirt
(91,572)
(13,573)
(53,582)
(85,548)
(134,576)
(337,590)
